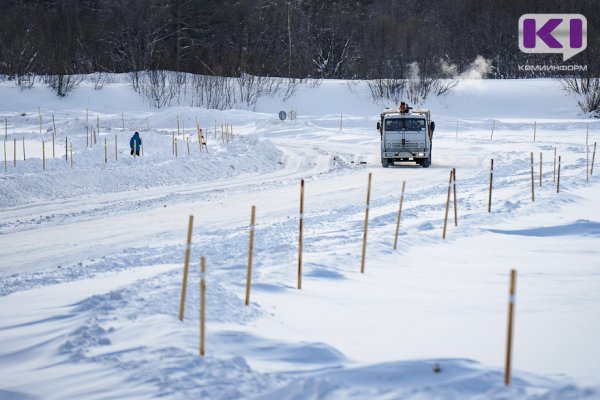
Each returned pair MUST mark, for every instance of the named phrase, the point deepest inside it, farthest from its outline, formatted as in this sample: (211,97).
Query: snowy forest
(359,39)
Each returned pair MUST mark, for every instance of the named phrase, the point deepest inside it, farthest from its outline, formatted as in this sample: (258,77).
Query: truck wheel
(426,162)
(385,162)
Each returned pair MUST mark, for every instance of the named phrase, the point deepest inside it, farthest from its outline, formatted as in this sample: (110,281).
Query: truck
(406,135)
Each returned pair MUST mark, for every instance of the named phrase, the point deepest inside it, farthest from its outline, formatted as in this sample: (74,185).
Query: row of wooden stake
(494,125)
(251,252)
(202,349)
(555,175)
(202,144)
(68,146)
(91,140)
(226,133)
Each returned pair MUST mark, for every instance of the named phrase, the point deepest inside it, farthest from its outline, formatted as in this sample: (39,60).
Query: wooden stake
(250,250)
(593,158)
(491,184)
(493,125)
(24,148)
(534,130)
(175,147)
(454,190)
(53,134)
(447,205)
(173,141)
(147,124)
(554,170)
(204,140)
(199,139)
(87,134)
(53,125)
(532,181)
(202,302)
(300,234)
(341,120)
(509,335)
(364,247)
(186,265)
(43,156)
(187,141)
(587,154)
(215,129)
(116,150)
(106,152)
(558,178)
(122,121)
(399,214)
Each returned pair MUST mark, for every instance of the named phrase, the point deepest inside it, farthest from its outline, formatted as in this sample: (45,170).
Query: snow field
(92,310)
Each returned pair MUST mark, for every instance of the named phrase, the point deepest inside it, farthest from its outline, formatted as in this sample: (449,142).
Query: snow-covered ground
(92,254)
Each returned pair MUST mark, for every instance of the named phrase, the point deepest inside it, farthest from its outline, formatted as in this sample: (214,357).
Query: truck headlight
(388,145)
(421,154)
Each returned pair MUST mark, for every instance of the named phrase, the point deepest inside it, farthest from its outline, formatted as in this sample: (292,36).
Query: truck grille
(407,144)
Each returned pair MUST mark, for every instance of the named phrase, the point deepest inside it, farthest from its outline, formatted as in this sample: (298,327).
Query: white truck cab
(406,135)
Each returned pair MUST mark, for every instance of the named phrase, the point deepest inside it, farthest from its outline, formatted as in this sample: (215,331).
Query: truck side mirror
(378,125)
(432,126)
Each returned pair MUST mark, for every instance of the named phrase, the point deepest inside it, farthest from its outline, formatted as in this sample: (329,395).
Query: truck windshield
(404,124)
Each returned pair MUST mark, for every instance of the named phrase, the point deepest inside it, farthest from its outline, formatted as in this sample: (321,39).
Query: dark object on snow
(437,369)
(135,143)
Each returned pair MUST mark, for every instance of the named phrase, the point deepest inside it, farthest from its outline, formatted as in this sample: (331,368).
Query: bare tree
(587,90)
(62,84)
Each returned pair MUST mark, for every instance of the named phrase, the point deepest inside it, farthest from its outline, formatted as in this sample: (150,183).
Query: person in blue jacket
(135,143)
